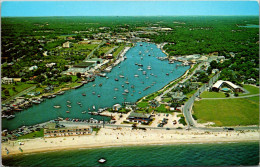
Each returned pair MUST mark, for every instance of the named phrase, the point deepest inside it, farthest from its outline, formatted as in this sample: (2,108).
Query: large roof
(220,82)
(139,115)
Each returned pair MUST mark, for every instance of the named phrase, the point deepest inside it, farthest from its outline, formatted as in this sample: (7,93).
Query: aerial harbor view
(133,83)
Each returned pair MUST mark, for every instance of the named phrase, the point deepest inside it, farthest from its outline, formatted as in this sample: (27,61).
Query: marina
(109,92)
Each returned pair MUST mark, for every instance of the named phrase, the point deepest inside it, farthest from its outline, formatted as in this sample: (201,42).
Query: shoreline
(109,137)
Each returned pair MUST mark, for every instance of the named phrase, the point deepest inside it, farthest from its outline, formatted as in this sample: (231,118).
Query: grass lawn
(19,87)
(207,94)
(33,135)
(162,109)
(252,90)
(142,104)
(167,99)
(191,93)
(229,112)
(118,50)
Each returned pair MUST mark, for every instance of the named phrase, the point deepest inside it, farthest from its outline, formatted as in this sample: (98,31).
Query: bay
(156,78)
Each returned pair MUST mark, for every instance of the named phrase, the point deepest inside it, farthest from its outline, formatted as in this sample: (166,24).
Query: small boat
(123,85)
(84,112)
(118,66)
(36,102)
(116,89)
(141,58)
(102,160)
(136,63)
(140,69)
(121,76)
(116,79)
(68,102)
(146,77)
(56,106)
(93,107)
(78,103)
(151,74)
(67,111)
(100,84)
(144,72)
(93,93)
(123,93)
(83,94)
(139,92)
(136,75)
(10,117)
(132,86)
(69,106)
(53,96)
(167,73)
(98,95)
(60,93)
(140,65)
(126,82)
(149,67)
(115,97)
(126,91)
(94,85)
(106,77)
(141,44)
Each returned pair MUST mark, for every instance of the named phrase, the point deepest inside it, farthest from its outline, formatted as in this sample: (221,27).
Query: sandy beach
(124,137)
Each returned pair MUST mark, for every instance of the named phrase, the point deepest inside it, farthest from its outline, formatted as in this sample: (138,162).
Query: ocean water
(156,78)
(192,154)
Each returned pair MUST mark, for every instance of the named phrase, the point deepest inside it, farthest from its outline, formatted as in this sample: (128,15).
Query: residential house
(216,87)
(6,80)
(116,107)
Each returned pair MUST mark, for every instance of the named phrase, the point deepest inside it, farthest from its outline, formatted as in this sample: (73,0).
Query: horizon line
(129,16)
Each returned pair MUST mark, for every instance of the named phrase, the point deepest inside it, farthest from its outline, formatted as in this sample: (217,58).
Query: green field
(14,89)
(33,135)
(229,112)
(252,90)
(212,95)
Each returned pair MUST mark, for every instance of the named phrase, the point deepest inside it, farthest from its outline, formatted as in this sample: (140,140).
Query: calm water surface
(217,154)
(156,78)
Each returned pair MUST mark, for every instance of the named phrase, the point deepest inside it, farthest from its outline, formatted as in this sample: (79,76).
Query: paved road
(19,94)
(239,97)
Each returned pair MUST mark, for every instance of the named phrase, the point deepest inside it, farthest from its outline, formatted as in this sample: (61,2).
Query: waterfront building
(139,117)
(70,131)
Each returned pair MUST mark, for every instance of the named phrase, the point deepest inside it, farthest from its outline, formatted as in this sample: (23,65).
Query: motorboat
(57,106)
(136,75)
(116,79)
(69,106)
(126,91)
(149,67)
(102,160)
(84,112)
(121,76)
(140,69)
(83,94)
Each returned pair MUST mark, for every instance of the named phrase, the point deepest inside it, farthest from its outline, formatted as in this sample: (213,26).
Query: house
(109,56)
(67,44)
(178,96)
(33,68)
(139,117)
(50,65)
(71,131)
(116,107)
(216,87)
(6,80)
